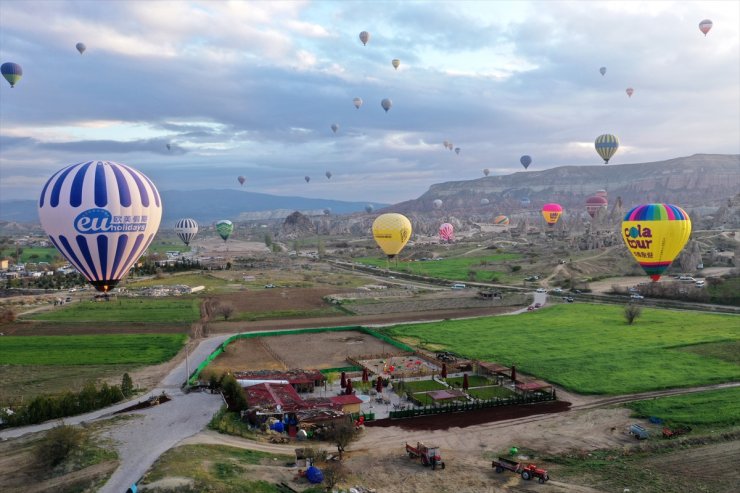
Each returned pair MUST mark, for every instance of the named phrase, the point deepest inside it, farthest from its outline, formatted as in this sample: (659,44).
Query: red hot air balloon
(446,232)
(594,204)
(705,26)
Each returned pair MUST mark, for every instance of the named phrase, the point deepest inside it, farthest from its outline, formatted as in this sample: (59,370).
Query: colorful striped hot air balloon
(446,232)
(501,220)
(391,232)
(655,234)
(551,213)
(186,229)
(101,216)
(606,145)
(12,72)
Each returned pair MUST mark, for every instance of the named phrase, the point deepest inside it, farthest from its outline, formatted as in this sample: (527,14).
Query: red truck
(527,472)
(429,454)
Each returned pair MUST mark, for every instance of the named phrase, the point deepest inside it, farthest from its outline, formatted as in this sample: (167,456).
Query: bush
(632,312)
(59,444)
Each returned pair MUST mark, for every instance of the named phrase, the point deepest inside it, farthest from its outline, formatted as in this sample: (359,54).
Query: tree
(59,444)
(127,385)
(631,312)
(233,393)
(334,473)
(225,310)
(342,434)
(268,240)
(7,315)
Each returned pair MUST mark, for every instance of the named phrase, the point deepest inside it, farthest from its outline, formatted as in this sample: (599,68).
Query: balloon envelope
(81,47)
(307,178)
(594,204)
(705,26)
(629,91)
(364,37)
(601,193)
(602,70)
(446,232)
(12,72)
(486,171)
(386,104)
(484,202)
(525,202)
(369,208)
(357,102)
(101,216)
(551,213)
(396,62)
(501,220)
(437,203)
(655,234)
(242,179)
(391,232)
(328,174)
(526,161)
(457,151)
(224,228)
(606,145)
(186,229)
(334,127)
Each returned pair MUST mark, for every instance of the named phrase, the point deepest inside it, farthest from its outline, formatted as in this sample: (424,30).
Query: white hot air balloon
(101,216)
(386,104)
(186,229)
(357,102)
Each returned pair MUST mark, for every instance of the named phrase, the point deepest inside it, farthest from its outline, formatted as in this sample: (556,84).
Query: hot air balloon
(594,204)
(486,171)
(241,180)
(334,127)
(524,202)
(450,146)
(457,151)
(307,178)
(446,232)
(551,213)
(369,208)
(328,175)
(391,232)
(526,161)
(386,104)
(602,70)
(484,201)
(606,145)
(101,216)
(445,143)
(601,193)
(12,72)
(629,91)
(396,62)
(705,26)
(81,47)
(224,228)
(357,102)
(327,211)
(168,146)
(186,229)
(364,37)
(437,203)
(501,220)
(655,234)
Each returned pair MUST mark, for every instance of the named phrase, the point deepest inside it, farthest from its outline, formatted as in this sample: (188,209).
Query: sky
(252,89)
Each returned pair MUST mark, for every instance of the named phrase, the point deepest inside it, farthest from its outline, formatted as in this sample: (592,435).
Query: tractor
(429,455)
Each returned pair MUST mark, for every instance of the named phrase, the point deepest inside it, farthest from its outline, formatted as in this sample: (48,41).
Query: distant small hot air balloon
(369,208)
(391,232)
(551,213)
(526,161)
(446,232)
(307,178)
(334,127)
(655,234)
(396,62)
(357,102)
(224,228)
(168,146)
(364,37)
(386,104)
(524,202)
(484,201)
(81,47)
(12,72)
(594,204)
(606,145)
(328,174)
(629,91)
(242,179)
(437,203)
(501,220)
(457,151)
(186,229)
(602,70)
(327,211)
(445,143)
(486,171)
(451,146)
(705,26)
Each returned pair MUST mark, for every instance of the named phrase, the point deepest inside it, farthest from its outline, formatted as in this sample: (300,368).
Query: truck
(639,432)
(527,471)
(428,454)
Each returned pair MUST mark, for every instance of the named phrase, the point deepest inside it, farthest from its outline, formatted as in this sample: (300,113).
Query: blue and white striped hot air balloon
(606,145)
(186,229)
(101,216)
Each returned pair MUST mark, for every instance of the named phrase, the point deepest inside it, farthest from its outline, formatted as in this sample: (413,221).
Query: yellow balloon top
(391,232)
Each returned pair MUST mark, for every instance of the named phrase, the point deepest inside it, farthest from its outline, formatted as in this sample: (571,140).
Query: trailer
(428,454)
(527,472)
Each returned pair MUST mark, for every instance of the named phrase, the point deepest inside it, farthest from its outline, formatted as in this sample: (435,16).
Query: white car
(637,297)
(541,290)
(557,290)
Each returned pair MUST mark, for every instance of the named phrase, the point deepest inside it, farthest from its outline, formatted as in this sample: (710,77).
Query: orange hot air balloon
(551,213)
(655,234)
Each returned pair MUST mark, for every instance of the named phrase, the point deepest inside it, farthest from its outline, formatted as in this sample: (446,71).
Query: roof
(272,395)
(494,367)
(345,400)
(294,376)
(533,385)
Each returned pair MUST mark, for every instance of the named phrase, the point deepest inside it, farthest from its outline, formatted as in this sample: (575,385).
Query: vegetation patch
(189,279)
(726,351)
(135,349)
(414,386)
(274,314)
(716,408)
(590,348)
(32,254)
(450,268)
(473,381)
(492,392)
(152,310)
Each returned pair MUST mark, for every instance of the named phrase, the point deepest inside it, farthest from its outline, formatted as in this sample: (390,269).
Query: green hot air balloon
(12,72)
(224,228)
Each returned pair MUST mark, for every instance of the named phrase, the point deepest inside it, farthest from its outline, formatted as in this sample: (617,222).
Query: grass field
(414,386)
(189,279)
(473,381)
(717,408)
(485,393)
(32,254)
(277,314)
(153,310)
(591,349)
(451,268)
(133,349)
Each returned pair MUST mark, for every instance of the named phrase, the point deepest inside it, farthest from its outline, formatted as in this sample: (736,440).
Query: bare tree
(334,473)
(631,312)
(226,310)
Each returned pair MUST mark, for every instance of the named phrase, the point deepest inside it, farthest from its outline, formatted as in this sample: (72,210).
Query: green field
(457,268)
(486,393)
(133,349)
(32,254)
(705,409)
(153,310)
(189,279)
(473,381)
(414,386)
(591,349)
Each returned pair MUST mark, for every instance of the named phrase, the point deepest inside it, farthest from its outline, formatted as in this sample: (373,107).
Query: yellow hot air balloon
(391,232)
(655,234)
(551,213)
(396,62)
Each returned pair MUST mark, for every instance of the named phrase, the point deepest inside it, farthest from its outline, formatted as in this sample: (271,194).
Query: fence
(470,406)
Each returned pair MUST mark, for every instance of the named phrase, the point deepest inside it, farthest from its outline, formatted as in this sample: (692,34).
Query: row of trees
(55,281)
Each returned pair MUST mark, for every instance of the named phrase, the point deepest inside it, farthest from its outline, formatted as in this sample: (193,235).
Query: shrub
(59,444)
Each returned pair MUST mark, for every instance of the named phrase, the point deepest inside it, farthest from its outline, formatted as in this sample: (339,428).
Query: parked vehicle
(429,455)
(541,290)
(458,285)
(639,432)
(527,472)
(637,297)
(538,305)
(674,432)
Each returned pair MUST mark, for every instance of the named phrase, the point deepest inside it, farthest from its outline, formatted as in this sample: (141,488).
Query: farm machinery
(429,455)
(675,432)
(527,472)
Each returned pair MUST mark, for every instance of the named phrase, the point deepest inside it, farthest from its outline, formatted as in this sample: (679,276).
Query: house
(349,404)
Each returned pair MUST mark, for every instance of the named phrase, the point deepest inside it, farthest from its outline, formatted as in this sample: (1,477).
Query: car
(577,291)
(637,297)
(700,284)
(530,308)
(538,305)
(632,290)
(541,290)
(269,286)
(557,290)
(569,299)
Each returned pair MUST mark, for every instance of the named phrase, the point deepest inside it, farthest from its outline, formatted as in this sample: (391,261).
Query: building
(301,380)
